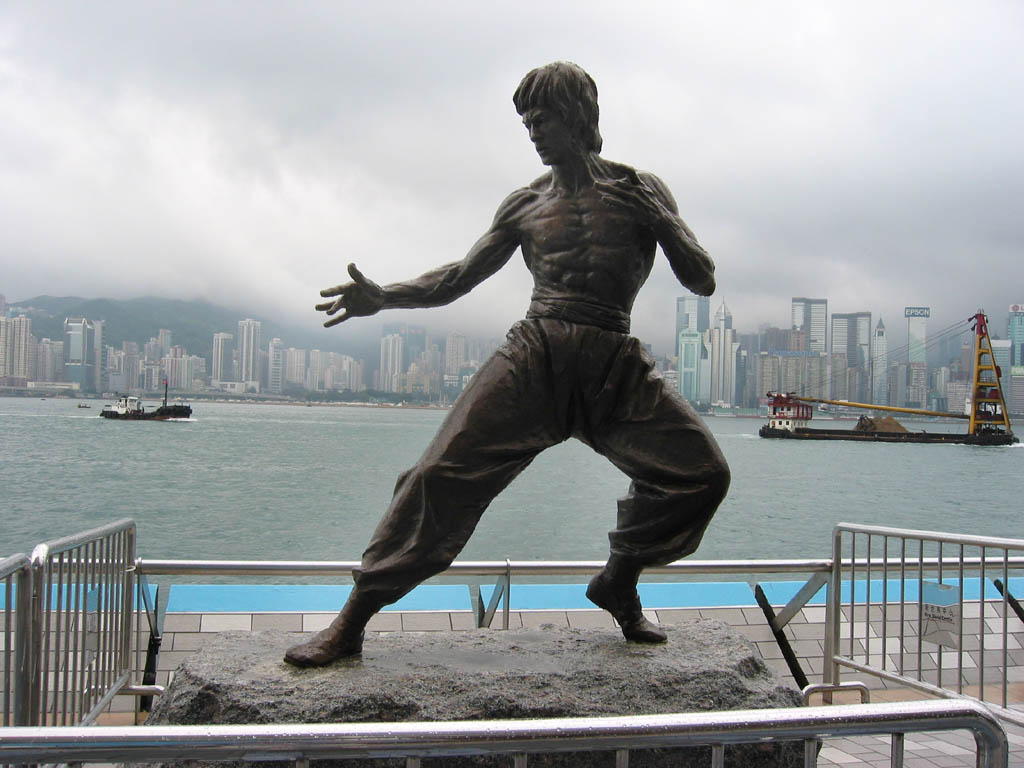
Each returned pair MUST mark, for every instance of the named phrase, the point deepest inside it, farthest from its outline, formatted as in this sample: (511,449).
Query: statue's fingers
(325,306)
(333,291)
(356,275)
(335,320)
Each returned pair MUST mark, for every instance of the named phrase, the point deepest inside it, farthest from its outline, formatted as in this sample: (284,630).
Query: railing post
(34,615)
(23,657)
(830,670)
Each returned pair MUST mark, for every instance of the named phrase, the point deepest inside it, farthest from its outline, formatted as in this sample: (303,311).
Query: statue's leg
(491,434)
(679,477)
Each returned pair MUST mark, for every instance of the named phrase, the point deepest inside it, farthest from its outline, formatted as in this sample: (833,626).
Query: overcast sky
(865,152)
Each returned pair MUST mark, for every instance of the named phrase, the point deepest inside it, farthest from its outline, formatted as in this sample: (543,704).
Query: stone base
(239,677)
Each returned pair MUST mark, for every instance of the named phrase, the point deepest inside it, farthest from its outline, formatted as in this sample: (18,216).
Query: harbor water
(253,481)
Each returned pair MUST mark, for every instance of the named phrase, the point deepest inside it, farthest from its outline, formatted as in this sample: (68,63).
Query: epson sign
(917,312)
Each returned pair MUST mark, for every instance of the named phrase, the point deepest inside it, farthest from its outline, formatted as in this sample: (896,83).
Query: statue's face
(550,135)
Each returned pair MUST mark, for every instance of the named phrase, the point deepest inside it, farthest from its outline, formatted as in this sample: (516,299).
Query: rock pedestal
(239,677)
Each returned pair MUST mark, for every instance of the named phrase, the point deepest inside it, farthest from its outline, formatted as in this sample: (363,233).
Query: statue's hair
(568,90)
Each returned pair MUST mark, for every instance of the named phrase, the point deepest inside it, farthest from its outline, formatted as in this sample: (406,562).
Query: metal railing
(931,611)
(79,624)
(15,590)
(515,738)
(503,573)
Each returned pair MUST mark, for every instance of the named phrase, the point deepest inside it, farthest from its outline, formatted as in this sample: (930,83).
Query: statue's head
(566,89)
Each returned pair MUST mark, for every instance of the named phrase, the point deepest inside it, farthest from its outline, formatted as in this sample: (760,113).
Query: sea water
(255,481)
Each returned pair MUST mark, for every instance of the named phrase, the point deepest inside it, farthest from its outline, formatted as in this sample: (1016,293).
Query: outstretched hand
(359,298)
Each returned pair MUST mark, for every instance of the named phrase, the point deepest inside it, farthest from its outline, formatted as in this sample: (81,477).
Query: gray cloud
(243,153)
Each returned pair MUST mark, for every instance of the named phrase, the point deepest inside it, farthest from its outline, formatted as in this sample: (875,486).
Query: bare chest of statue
(579,245)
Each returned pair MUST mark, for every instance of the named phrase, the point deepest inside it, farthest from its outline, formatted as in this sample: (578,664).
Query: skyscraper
(693,319)
(454,358)
(248,345)
(878,368)
(275,366)
(391,354)
(917,361)
(222,366)
(723,358)
(1015,333)
(811,316)
(80,352)
(851,336)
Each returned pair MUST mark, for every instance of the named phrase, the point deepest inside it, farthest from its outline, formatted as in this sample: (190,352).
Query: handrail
(412,740)
(152,567)
(65,543)
(931,536)
(12,564)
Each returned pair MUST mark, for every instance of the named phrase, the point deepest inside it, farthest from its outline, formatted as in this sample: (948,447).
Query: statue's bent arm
(689,261)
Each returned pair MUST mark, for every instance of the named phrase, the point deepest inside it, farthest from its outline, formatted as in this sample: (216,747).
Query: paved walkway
(184,632)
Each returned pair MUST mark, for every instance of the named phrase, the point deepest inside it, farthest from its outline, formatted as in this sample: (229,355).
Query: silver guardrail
(79,624)
(15,590)
(503,572)
(517,738)
(928,610)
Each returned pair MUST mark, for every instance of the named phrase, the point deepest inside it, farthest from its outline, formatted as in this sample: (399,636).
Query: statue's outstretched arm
(362,297)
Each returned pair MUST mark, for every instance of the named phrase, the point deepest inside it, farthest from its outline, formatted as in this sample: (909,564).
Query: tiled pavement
(184,633)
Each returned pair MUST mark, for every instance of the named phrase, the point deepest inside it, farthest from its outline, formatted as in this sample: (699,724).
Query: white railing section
(79,624)
(931,611)
(15,588)
(515,738)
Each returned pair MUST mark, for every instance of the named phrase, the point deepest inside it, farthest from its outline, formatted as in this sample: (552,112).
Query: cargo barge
(989,422)
(130,408)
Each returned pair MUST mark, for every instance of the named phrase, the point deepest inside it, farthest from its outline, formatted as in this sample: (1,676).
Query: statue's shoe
(624,606)
(323,649)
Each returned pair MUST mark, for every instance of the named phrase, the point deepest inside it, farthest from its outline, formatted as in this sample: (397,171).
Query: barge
(989,422)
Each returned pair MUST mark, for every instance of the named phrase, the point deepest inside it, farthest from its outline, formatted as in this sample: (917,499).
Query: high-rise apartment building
(295,366)
(80,352)
(391,368)
(811,316)
(1015,333)
(222,365)
(248,346)
(315,371)
(276,359)
(454,359)
(878,369)
(164,338)
(693,313)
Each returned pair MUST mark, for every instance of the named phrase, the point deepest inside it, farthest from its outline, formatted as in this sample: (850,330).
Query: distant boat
(130,408)
(84,405)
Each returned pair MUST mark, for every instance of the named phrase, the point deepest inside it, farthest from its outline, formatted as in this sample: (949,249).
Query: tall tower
(878,368)
(693,313)
(222,366)
(275,366)
(851,336)
(693,319)
(917,360)
(454,358)
(1015,333)
(811,316)
(249,352)
(723,358)
(80,352)
(391,369)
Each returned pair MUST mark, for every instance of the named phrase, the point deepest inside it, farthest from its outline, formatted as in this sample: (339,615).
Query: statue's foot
(624,606)
(327,646)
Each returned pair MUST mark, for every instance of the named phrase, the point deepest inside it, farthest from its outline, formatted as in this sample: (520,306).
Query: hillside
(192,324)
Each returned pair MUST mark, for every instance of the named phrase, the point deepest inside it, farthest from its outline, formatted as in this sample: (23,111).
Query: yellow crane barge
(989,421)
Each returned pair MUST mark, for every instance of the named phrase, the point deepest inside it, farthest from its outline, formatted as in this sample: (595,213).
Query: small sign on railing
(941,616)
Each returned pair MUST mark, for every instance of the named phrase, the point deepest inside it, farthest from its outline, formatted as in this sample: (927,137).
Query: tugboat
(988,415)
(131,408)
